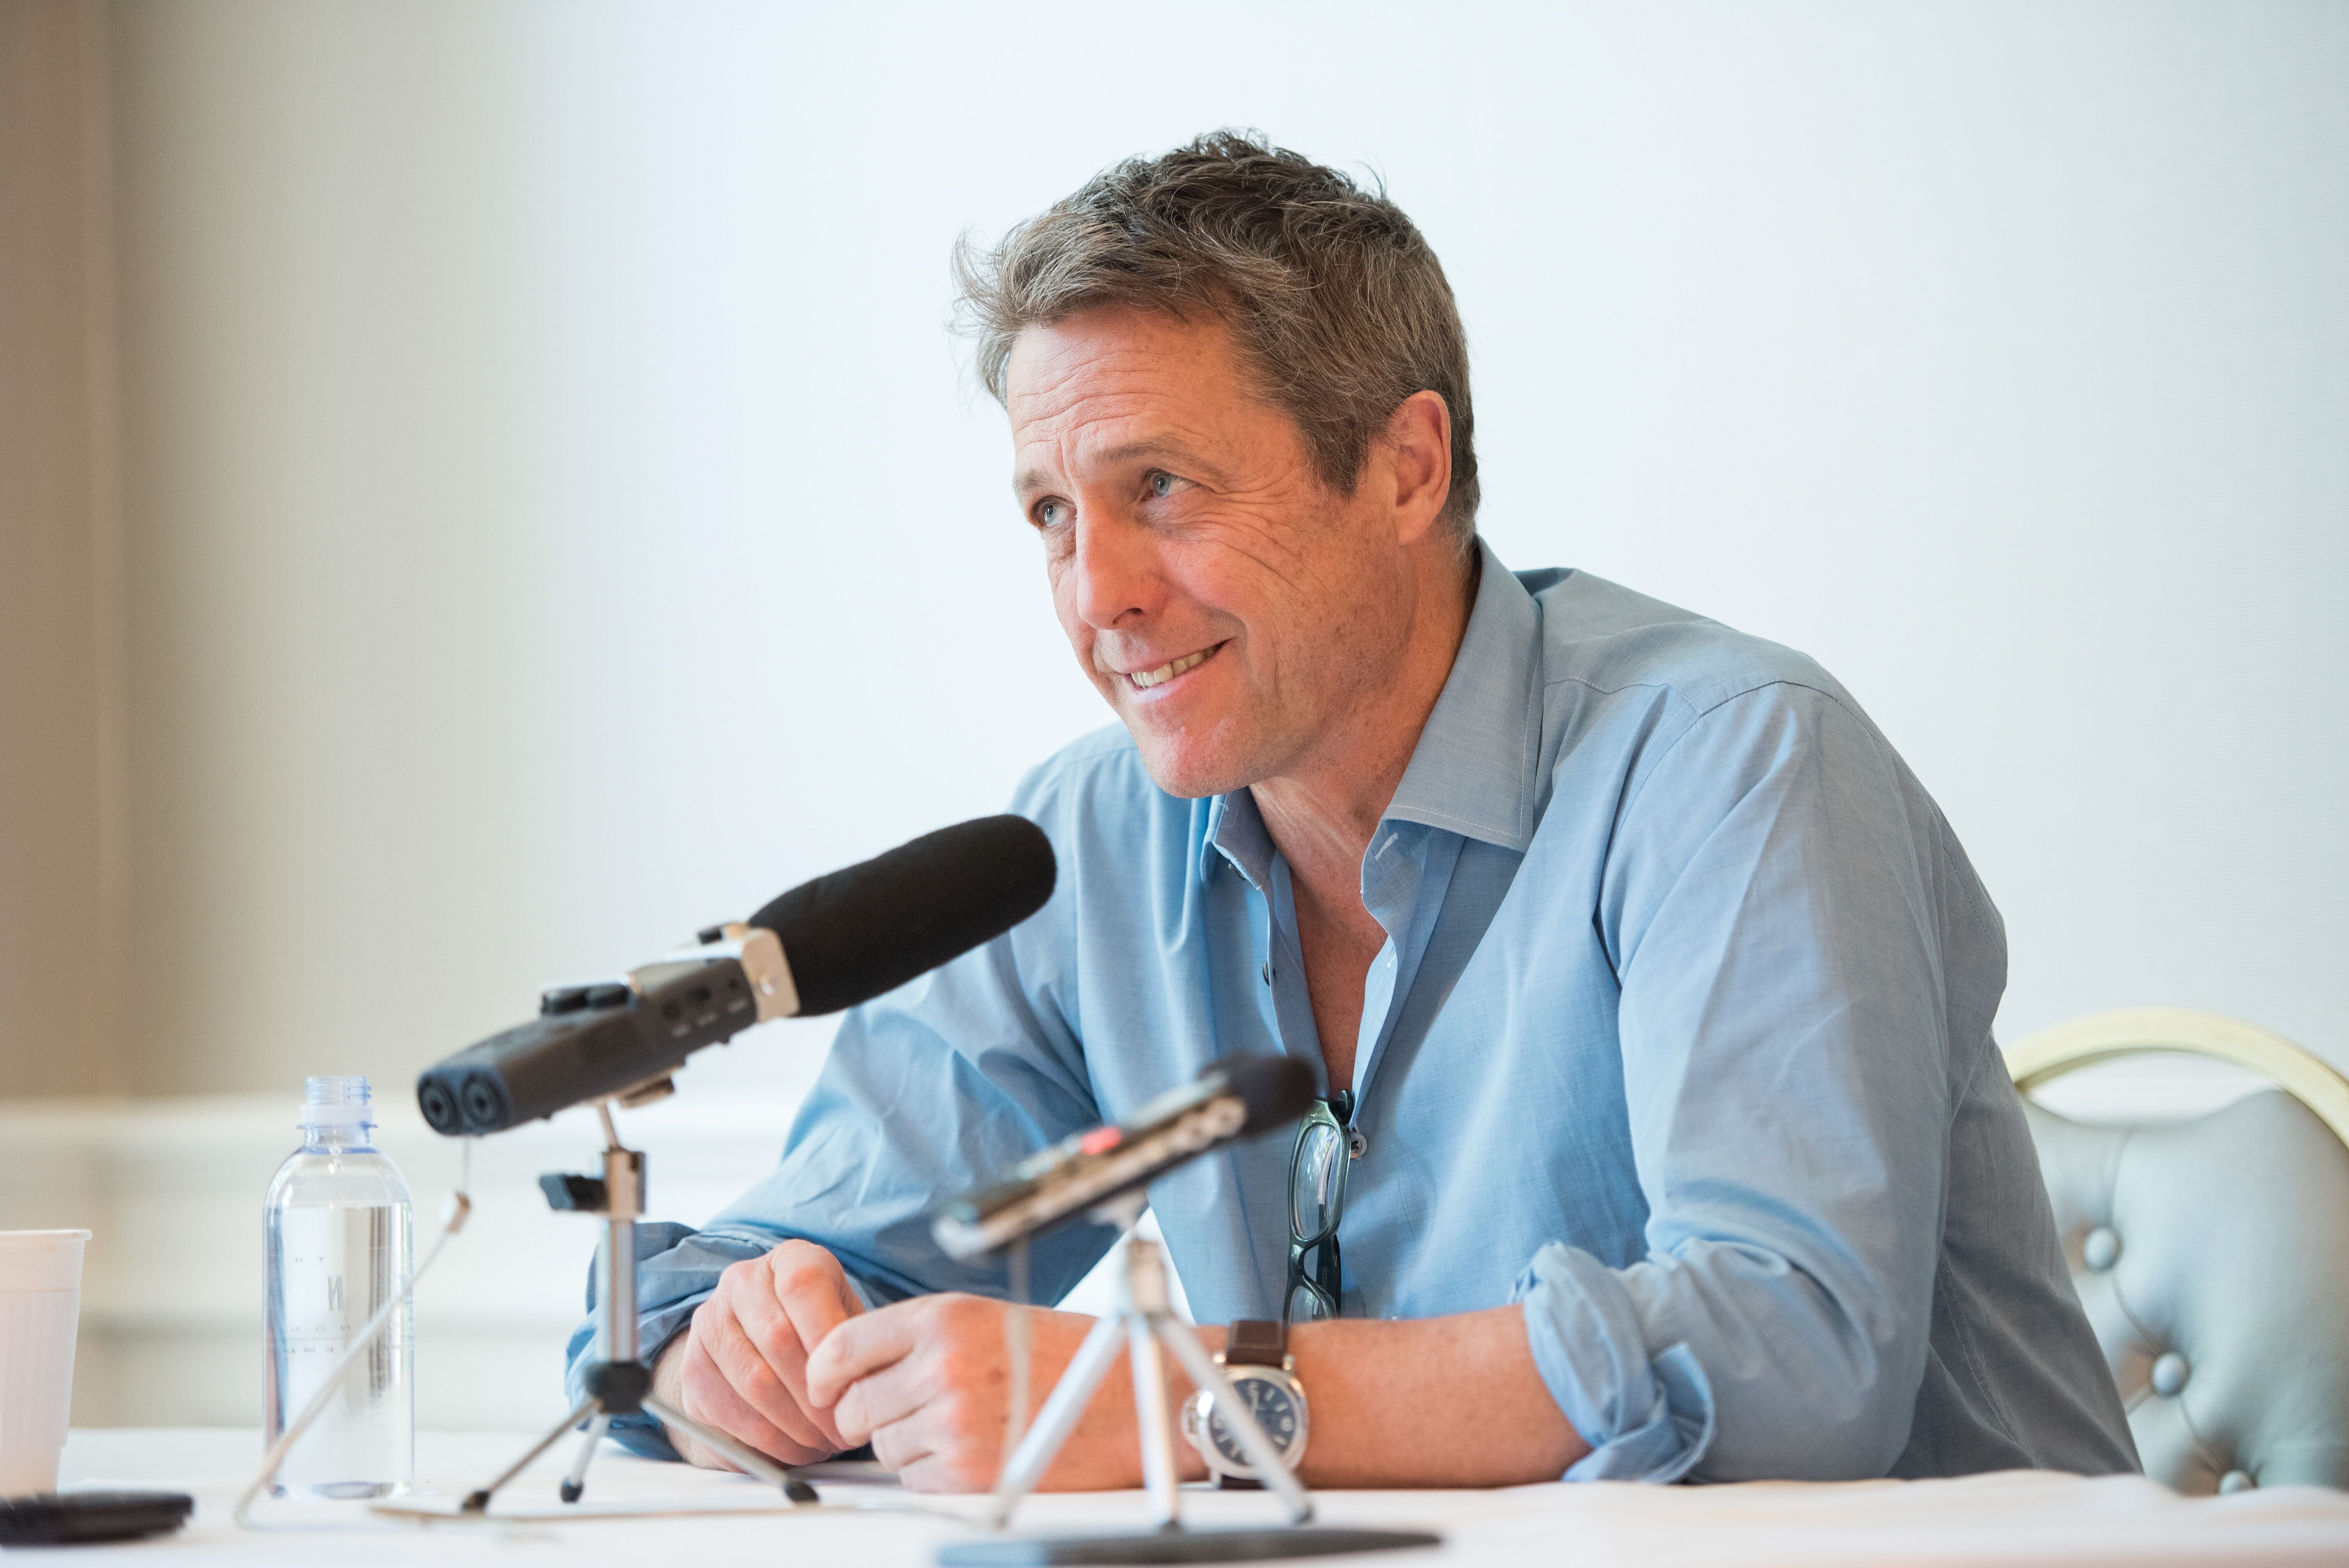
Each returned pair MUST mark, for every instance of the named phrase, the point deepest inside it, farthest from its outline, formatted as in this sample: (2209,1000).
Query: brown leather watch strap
(1255,1342)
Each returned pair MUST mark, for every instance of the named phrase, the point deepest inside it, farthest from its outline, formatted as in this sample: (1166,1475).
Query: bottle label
(339,1263)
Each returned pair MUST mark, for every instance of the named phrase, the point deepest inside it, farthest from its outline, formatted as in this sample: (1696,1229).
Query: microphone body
(1236,1097)
(830,944)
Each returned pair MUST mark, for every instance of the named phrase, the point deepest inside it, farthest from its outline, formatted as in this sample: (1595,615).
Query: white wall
(555,519)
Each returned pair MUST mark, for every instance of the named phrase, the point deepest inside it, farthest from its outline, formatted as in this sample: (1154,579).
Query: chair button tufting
(2169,1373)
(2236,1481)
(2101,1248)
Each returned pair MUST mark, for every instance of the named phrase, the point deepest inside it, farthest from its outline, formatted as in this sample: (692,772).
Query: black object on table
(72,1517)
(1258,1545)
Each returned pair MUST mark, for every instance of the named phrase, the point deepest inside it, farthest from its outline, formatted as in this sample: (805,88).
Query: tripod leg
(1056,1419)
(1236,1417)
(1150,1414)
(479,1503)
(743,1457)
(575,1484)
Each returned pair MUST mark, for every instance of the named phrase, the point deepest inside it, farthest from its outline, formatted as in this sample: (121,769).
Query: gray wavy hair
(1334,301)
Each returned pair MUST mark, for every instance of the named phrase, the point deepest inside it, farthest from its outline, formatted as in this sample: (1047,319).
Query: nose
(1113,572)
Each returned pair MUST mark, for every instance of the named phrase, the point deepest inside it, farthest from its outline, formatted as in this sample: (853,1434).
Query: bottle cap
(337,1102)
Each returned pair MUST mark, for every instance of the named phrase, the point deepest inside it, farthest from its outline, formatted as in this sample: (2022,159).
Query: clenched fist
(741,1368)
(928,1383)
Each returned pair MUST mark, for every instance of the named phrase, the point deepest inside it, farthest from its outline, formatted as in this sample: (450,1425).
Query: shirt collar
(1235,832)
(1472,772)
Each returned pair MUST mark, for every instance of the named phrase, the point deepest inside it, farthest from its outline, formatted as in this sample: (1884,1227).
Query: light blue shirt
(1681,1038)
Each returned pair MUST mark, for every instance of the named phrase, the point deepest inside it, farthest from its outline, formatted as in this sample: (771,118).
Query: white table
(2007,1519)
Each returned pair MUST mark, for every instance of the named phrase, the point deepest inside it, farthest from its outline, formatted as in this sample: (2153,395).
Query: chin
(1188,769)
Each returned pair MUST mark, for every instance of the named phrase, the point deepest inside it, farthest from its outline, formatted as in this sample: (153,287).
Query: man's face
(1230,607)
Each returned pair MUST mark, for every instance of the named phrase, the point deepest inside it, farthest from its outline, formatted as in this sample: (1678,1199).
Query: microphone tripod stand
(620,1385)
(1144,1321)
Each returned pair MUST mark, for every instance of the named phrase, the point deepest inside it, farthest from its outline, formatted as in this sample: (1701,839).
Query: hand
(928,1383)
(741,1367)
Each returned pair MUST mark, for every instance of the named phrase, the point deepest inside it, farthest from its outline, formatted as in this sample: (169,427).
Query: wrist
(669,1387)
(1260,1422)
(1180,1389)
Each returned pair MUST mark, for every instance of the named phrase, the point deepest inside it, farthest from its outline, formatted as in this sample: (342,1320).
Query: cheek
(1072,625)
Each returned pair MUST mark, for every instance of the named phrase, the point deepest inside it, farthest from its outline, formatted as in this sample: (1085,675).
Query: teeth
(1164,673)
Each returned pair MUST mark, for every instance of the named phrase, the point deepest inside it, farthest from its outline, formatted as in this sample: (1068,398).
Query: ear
(1418,449)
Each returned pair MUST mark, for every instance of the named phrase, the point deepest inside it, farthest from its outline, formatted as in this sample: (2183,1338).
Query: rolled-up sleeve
(1647,1414)
(1773,905)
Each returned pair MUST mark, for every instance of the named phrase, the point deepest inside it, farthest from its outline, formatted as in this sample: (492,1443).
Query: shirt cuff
(1647,1415)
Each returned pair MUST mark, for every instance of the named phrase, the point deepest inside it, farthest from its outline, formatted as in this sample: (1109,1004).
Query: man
(1652,991)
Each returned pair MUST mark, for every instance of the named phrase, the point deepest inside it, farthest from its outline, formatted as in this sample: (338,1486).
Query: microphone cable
(1016,1347)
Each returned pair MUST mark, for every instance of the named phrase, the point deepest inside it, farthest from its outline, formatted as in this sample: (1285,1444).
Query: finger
(705,1398)
(797,1299)
(814,1290)
(752,1378)
(893,1394)
(861,1345)
(767,1332)
(899,1447)
(928,1457)
(712,1401)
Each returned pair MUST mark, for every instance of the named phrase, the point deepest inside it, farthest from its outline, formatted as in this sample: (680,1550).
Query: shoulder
(1094,768)
(1095,792)
(1609,639)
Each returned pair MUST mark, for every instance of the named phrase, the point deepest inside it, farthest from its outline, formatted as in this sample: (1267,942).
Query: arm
(928,1090)
(1780,913)
(1394,1404)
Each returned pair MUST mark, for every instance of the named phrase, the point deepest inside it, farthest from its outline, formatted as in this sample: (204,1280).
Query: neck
(1323,812)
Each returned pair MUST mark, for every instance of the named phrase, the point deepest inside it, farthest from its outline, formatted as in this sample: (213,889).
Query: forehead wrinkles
(1117,378)
(1071,435)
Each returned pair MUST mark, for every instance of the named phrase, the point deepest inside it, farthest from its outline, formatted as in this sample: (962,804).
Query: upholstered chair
(2211,1254)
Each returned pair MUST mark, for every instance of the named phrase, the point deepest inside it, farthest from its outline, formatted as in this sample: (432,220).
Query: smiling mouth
(1143,680)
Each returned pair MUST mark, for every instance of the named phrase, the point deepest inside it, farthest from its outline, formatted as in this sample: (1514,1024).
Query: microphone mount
(621,1383)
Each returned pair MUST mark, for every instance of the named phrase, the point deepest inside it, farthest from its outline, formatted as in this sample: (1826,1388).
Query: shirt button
(1357,1143)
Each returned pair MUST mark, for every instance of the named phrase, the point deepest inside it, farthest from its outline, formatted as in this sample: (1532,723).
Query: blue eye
(1048,514)
(1162,485)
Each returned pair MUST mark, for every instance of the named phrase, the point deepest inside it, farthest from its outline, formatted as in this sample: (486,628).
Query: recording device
(1236,1097)
(1103,1172)
(826,944)
(76,1518)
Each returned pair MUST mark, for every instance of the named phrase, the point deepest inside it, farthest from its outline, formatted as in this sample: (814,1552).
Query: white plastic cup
(40,1305)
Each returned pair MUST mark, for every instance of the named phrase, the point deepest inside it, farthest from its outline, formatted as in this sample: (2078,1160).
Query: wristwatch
(1255,1358)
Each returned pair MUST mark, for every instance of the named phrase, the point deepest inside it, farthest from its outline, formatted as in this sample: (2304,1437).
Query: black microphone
(1236,1097)
(826,944)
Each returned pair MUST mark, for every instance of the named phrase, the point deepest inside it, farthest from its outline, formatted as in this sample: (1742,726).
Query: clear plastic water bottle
(339,1243)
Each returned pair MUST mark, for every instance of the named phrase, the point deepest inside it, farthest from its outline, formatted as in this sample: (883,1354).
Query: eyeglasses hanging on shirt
(1317,1201)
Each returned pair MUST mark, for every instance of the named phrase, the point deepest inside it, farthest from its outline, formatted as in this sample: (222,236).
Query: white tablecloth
(2007,1519)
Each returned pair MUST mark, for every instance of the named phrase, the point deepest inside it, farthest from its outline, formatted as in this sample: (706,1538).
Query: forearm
(1447,1401)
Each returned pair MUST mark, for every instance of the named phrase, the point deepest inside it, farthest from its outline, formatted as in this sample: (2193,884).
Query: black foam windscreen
(870,927)
(1277,1091)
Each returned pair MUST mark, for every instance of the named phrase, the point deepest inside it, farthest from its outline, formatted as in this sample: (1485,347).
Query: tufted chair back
(2212,1255)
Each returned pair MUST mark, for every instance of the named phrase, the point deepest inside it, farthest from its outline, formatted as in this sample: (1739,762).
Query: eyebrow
(1028,481)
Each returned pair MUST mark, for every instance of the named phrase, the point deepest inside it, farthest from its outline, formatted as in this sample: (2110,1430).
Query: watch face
(1275,1410)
